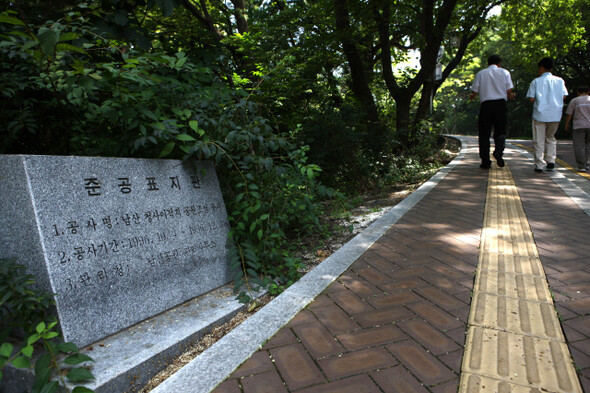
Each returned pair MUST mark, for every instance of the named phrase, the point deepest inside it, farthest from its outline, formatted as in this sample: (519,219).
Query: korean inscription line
(94,185)
(102,248)
(101,276)
(72,227)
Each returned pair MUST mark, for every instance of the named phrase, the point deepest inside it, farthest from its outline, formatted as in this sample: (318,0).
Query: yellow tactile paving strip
(514,340)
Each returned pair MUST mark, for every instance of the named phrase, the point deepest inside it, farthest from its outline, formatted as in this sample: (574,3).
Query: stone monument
(117,240)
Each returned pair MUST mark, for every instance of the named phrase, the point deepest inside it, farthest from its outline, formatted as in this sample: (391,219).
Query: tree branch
(382,18)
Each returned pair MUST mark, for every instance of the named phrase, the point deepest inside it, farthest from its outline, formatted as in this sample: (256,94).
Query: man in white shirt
(579,110)
(547,92)
(494,86)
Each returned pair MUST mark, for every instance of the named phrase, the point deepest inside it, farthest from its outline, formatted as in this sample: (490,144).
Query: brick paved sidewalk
(395,321)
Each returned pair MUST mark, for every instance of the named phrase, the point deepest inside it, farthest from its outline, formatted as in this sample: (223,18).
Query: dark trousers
(492,114)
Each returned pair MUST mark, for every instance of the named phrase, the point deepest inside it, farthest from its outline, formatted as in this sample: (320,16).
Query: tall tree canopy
(526,31)
(377,33)
(267,89)
(555,28)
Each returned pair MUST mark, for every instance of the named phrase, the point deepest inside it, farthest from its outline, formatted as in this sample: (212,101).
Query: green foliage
(453,109)
(269,187)
(269,104)
(417,162)
(69,90)
(21,306)
(339,145)
(33,102)
(539,28)
(526,37)
(155,104)
(521,36)
(567,40)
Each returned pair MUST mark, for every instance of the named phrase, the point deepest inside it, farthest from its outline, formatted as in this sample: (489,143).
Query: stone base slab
(126,361)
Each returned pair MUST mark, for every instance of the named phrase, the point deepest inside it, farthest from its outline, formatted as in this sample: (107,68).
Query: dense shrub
(24,315)
(77,93)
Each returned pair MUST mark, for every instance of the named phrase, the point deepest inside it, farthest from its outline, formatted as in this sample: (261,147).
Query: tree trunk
(240,13)
(203,17)
(402,110)
(428,89)
(360,83)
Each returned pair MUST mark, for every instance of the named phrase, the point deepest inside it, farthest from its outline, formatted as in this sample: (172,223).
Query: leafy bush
(339,145)
(21,307)
(82,94)
(269,188)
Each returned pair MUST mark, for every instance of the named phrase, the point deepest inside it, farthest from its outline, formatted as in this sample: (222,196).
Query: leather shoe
(538,170)
(550,166)
(485,165)
(499,160)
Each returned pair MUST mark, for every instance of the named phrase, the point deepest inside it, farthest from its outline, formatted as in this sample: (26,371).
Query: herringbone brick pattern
(395,321)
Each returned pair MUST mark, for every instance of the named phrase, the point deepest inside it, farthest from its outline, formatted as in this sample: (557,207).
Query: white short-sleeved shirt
(492,83)
(579,107)
(548,91)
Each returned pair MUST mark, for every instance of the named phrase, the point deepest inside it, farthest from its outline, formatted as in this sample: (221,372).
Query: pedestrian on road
(494,86)
(547,92)
(579,110)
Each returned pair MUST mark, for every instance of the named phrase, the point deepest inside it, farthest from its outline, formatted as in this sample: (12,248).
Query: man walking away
(547,92)
(579,110)
(494,86)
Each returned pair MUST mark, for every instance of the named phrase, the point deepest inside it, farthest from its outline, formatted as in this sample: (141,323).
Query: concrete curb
(127,360)
(215,364)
